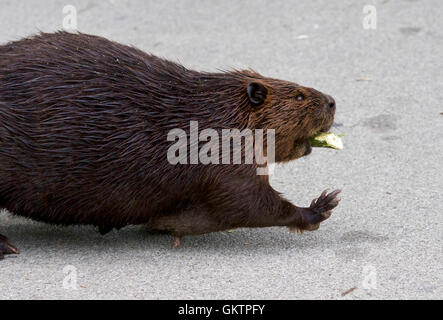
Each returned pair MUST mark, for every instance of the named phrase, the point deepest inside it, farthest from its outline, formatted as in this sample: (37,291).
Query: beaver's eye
(300,97)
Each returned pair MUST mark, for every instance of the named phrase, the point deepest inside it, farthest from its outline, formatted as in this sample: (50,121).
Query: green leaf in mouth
(327,140)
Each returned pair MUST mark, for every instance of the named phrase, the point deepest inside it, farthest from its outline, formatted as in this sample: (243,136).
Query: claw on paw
(320,209)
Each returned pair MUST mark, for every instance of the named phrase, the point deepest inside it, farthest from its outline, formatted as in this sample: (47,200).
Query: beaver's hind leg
(6,247)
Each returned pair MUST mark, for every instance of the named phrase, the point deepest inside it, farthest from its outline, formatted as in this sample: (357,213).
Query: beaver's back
(83,126)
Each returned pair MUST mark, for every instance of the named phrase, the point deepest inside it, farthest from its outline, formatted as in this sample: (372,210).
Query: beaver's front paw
(5,247)
(319,210)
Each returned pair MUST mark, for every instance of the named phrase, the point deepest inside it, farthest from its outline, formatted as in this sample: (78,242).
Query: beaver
(83,139)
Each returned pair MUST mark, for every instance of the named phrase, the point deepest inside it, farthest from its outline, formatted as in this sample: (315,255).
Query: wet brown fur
(83,126)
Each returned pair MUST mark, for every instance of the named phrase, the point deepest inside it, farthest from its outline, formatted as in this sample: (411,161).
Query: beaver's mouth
(302,146)
(322,130)
(308,147)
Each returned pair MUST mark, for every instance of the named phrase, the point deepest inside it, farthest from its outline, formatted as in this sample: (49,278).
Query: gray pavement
(384,239)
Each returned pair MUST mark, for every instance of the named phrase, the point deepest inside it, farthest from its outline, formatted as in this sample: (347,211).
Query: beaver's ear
(257,93)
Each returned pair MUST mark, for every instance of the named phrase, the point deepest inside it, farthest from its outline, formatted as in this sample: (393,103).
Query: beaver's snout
(328,112)
(330,103)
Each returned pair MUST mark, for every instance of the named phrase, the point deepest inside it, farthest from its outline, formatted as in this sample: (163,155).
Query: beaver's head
(296,113)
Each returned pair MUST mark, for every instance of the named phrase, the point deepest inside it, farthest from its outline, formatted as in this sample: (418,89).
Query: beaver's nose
(330,102)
